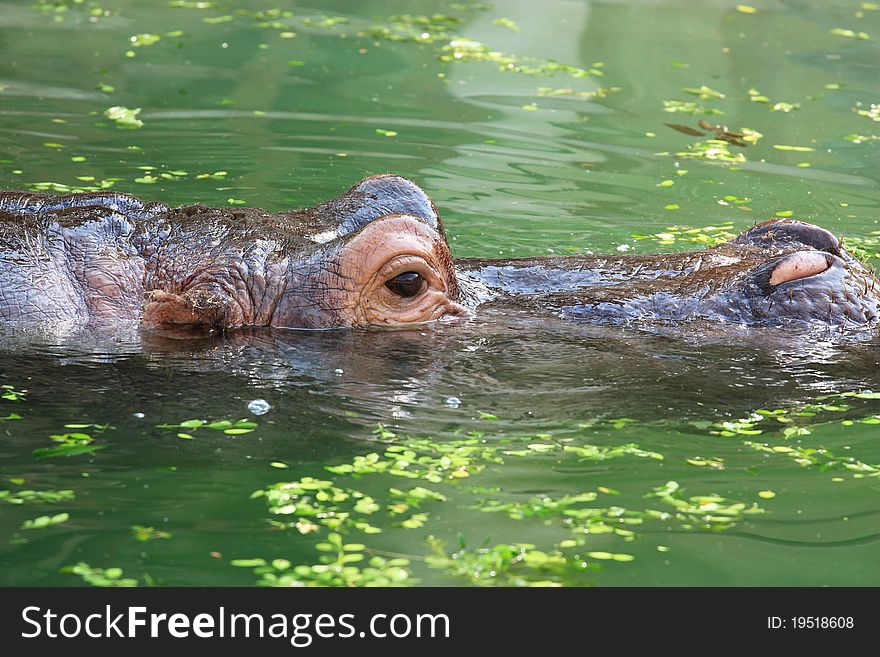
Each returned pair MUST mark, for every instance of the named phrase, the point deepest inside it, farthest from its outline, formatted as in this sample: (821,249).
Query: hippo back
(69,258)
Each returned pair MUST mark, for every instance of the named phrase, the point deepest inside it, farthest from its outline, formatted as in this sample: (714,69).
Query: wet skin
(377,256)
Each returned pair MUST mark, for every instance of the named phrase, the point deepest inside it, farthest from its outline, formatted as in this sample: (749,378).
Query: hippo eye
(408,284)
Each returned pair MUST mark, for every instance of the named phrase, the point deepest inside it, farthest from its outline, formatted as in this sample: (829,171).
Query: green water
(552,435)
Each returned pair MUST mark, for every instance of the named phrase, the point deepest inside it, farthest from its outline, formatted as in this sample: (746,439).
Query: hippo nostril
(799,265)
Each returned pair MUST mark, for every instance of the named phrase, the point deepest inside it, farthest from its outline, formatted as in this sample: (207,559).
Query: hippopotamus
(376,256)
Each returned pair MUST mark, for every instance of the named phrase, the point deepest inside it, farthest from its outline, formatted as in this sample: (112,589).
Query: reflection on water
(329,389)
(532,370)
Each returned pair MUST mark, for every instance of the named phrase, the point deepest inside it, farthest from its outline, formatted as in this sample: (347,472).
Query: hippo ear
(195,308)
(382,195)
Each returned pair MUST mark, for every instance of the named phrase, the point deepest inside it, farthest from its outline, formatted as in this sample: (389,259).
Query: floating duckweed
(312,506)
(335,568)
(192,4)
(217,175)
(598,453)
(689,107)
(11,393)
(506,22)
(124,117)
(71,444)
(873,112)
(109,577)
(416,29)
(466,50)
(706,236)
(504,564)
(144,534)
(706,511)
(228,427)
(785,107)
(799,149)
(712,149)
(750,136)
(859,139)
(325,22)
(746,9)
(757,97)
(386,133)
(45,521)
(36,496)
(703,92)
(714,463)
(610,555)
(139,40)
(851,34)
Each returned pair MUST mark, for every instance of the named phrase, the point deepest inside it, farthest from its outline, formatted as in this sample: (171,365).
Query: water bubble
(259,407)
(138,415)
(453,402)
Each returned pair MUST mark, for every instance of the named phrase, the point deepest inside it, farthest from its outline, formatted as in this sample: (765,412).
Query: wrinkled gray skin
(105,255)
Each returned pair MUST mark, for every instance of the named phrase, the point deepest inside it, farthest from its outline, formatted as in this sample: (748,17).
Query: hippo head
(374,256)
(377,256)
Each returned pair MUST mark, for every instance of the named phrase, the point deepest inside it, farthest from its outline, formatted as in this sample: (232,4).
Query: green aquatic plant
(103,577)
(228,427)
(850,34)
(36,496)
(124,117)
(704,93)
(11,393)
(705,236)
(69,444)
(568,92)
(336,568)
(309,501)
(509,564)
(144,534)
(711,512)
(689,107)
(45,521)
(712,149)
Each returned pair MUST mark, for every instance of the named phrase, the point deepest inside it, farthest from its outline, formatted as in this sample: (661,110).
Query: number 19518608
(810,622)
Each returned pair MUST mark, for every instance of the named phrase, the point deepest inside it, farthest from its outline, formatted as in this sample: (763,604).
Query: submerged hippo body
(377,256)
